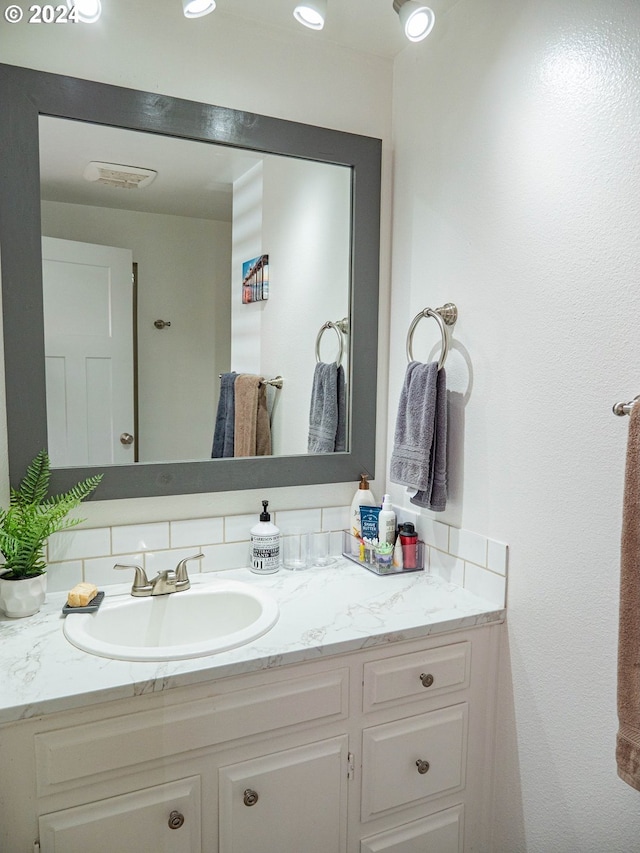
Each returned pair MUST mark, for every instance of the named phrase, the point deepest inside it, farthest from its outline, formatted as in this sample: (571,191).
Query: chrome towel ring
(445,316)
(341,328)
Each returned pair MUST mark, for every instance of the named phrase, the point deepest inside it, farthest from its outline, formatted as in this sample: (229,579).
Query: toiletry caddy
(369,557)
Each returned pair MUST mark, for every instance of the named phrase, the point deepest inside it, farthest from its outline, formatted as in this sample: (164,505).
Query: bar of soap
(82,594)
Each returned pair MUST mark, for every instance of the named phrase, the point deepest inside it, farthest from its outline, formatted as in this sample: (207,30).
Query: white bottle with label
(265,544)
(387,522)
(363,497)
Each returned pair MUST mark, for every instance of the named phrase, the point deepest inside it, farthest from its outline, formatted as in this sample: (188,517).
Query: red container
(409,543)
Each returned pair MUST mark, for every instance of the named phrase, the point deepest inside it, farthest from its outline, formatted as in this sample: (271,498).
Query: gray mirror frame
(26,94)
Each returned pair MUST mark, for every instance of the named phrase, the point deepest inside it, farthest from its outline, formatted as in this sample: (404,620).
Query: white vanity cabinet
(386,749)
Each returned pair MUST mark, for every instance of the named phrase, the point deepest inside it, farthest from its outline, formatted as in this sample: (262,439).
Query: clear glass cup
(321,549)
(296,551)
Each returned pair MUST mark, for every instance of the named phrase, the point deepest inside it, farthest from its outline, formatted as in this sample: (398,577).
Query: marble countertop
(323,612)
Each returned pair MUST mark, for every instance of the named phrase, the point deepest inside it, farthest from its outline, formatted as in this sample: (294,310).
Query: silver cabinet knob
(175,819)
(427,679)
(423,767)
(250,797)
(126,438)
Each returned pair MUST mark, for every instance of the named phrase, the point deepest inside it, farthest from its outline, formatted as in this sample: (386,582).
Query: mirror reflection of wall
(299,211)
(210,209)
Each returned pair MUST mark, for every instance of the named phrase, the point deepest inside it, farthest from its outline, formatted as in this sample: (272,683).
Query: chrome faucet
(165,582)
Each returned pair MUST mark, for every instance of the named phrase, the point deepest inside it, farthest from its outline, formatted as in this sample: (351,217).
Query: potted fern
(32,517)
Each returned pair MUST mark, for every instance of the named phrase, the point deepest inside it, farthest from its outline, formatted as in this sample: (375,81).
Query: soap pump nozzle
(264,515)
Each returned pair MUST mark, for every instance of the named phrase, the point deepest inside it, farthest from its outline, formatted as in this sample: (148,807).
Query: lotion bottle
(387,522)
(265,544)
(363,497)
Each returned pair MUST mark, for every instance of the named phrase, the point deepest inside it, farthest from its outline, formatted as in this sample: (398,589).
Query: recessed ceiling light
(197,8)
(311,13)
(87,11)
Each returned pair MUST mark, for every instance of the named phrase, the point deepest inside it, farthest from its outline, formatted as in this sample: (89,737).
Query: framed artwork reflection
(255,279)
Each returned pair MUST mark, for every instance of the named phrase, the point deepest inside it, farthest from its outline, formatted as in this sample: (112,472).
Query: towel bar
(624,408)
(341,328)
(445,316)
(277,381)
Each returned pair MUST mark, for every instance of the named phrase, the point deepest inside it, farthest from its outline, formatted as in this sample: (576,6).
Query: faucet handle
(181,568)
(141,583)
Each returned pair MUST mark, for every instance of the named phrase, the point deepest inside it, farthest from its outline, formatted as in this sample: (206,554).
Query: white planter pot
(23,597)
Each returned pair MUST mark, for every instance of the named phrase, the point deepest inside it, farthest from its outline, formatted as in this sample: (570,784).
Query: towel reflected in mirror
(242,422)
(327,412)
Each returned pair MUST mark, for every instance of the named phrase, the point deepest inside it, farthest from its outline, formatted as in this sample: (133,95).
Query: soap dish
(91,607)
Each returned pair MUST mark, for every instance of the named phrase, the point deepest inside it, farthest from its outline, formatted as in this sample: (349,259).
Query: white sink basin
(203,620)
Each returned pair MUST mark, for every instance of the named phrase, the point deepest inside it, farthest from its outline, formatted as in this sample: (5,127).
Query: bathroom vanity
(361,722)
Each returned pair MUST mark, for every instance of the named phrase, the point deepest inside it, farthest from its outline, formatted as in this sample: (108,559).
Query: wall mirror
(307,197)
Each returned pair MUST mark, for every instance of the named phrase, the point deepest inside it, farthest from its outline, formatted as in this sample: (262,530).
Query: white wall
(220,59)
(184,269)
(517,196)
(247,243)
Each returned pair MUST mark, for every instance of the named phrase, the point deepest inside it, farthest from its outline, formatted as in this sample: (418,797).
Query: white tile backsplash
(78,544)
(196,531)
(298,521)
(232,555)
(63,576)
(462,557)
(163,561)
(469,546)
(100,569)
(497,556)
(140,537)
(484,583)
(237,527)
(336,518)
(434,533)
(446,566)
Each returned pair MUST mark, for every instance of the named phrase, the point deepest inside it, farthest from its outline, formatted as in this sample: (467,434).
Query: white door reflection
(88,324)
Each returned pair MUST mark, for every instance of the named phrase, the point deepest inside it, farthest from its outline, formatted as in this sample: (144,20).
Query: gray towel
(419,457)
(435,496)
(223,436)
(341,429)
(324,414)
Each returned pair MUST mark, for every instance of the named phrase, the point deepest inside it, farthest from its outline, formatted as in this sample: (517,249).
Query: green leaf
(33,488)
(33,516)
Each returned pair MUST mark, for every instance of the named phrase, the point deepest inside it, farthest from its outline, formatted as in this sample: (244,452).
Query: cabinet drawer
(135,821)
(68,757)
(411,760)
(415,676)
(439,833)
